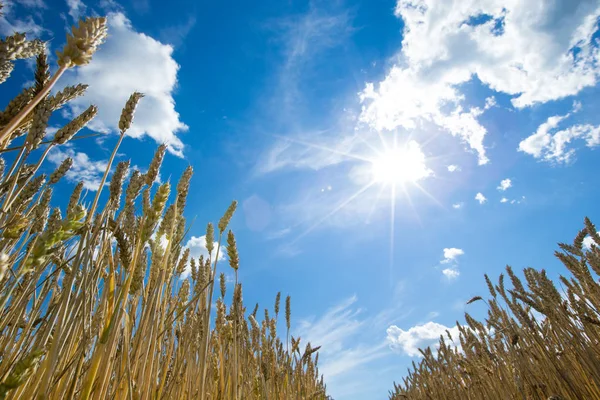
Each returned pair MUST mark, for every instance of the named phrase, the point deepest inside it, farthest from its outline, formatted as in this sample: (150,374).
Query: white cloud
(11,23)
(419,337)
(197,246)
(480,198)
(83,169)
(76,8)
(450,254)
(131,61)
(504,200)
(490,102)
(453,168)
(532,53)
(346,336)
(451,273)
(553,147)
(457,205)
(588,242)
(504,184)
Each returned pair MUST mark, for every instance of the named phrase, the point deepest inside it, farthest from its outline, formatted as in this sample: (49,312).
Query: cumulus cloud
(451,273)
(480,198)
(420,337)
(457,205)
(550,145)
(504,200)
(84,169)
(533,54)
(504,184)
(451,254)
(453,168)
(197,246)
(131,61)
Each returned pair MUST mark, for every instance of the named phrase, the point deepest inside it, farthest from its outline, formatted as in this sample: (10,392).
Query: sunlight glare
(400,165)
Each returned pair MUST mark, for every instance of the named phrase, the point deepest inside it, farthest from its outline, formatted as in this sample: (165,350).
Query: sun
(399,165)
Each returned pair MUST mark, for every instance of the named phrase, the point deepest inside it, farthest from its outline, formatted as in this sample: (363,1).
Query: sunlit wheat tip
(42,211)
(65,133)
(193,270)
(74,199)
(6,68)
(224,221)
(183,187)
(157,207)
(67,94)
(37,131)
(277,301)
(210,238)
(181,265)
(17,47)
(184,292)
(134,187)
(42,72)
(222,284)
(232,252)
(54,220)
(138,274)
(128,111)
(116,183)
(146,203)
(155,164)
(30,190)
(60,171)
(82,42)
(167,222)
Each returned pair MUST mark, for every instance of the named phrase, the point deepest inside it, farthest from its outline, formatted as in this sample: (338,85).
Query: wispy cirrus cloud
(348,337)
(303,38)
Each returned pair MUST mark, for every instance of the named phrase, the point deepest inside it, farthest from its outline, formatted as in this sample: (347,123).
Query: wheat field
(99,299)
(539,340)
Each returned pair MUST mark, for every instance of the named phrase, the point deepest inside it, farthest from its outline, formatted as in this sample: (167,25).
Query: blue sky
(298,110)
